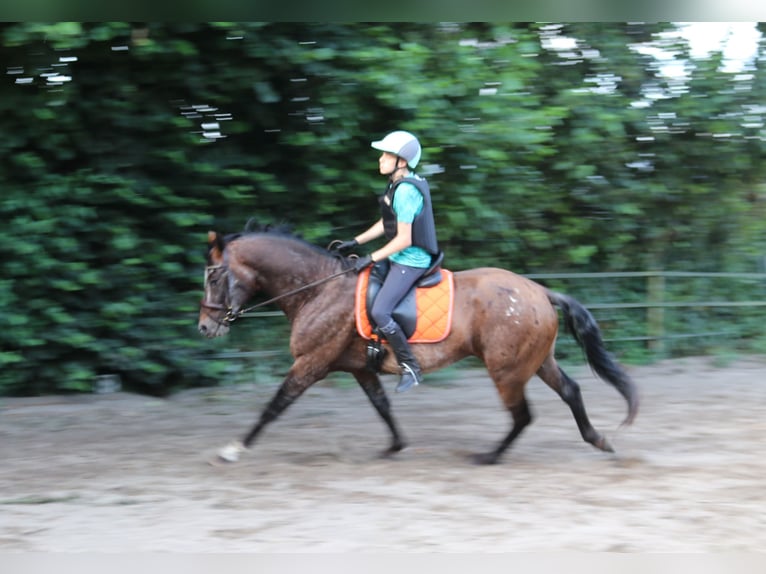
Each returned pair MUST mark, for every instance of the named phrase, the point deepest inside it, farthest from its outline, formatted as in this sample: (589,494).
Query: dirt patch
(128,473)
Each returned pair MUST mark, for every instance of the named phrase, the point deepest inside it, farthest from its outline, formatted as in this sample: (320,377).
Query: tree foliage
(549,147)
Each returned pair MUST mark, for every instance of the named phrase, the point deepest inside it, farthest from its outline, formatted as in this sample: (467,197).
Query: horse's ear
(215,247)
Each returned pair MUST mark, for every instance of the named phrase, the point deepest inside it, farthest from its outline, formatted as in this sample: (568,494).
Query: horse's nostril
(203,329)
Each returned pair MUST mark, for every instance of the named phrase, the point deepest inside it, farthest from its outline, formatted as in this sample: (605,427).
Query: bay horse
(506,320)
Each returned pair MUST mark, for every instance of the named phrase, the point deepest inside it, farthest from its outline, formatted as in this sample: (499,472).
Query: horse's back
(503,294)
(494,280)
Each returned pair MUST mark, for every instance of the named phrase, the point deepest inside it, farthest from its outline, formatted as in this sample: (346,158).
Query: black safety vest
(423,227)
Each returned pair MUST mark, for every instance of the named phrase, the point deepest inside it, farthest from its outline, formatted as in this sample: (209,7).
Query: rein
(231,317)
(291,293)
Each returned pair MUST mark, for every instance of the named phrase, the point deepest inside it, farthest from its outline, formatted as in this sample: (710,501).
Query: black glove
(346,245)
(362,263)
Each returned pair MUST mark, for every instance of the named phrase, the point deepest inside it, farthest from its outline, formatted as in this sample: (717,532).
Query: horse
(506,320)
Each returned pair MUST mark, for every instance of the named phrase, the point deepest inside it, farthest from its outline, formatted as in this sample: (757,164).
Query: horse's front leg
(295,384)
(370,383)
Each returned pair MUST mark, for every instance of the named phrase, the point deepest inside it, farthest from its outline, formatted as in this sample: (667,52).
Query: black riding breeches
(397,283)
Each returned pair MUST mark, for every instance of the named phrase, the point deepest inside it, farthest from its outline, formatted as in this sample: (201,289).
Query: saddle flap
(425,314)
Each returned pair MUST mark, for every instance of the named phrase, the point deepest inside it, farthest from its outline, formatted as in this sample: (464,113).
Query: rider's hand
(347,245)
(362,263)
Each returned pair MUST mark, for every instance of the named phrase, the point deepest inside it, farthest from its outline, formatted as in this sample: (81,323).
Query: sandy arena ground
(128,473)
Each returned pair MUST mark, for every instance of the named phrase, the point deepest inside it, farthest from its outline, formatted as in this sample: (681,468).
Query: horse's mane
(283,229)
(252,227)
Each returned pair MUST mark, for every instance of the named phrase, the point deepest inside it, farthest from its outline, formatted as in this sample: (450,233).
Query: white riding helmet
(403,144)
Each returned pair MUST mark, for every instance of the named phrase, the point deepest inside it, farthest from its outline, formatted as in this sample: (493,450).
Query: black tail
(581,324)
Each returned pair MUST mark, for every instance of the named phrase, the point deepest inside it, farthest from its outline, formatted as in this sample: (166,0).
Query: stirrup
(409,379)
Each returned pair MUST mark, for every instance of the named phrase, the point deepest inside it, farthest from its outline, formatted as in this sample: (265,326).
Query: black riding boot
(411,375)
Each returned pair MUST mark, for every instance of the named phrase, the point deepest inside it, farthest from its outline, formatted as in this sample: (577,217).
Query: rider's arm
(402,240)
(375,231)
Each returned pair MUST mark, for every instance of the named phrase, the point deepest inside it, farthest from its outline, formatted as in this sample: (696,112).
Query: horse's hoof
(604,445)
(392,450)
(485,458)
(231,452)
(217,461)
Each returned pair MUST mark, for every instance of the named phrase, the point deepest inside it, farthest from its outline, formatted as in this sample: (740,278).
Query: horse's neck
(283,266)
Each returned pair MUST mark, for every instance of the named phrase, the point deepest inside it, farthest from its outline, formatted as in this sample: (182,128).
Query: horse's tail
(582,325)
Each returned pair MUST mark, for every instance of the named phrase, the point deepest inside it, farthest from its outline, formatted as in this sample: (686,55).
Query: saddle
(424,314)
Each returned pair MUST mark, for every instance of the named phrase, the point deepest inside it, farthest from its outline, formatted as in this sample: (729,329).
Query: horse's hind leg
(569,391)
(512,394)
(370,383)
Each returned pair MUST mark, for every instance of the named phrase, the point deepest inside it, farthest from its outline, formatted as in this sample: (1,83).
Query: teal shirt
(408,203)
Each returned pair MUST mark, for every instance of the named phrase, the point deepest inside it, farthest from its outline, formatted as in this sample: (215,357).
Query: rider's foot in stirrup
(410,378)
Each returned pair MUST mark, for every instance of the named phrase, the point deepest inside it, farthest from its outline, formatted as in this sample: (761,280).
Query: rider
(407,222)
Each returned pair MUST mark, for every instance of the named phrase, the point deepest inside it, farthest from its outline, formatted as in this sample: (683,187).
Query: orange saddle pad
(434,309)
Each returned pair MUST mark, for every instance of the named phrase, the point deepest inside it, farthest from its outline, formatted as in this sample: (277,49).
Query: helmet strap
(397,168)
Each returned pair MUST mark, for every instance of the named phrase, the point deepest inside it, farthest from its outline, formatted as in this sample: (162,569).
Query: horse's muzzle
(211,329)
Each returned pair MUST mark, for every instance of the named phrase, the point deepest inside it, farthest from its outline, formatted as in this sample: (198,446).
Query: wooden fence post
(655,313)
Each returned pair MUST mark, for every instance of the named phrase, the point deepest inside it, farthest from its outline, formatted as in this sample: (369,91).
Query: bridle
(231,316)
